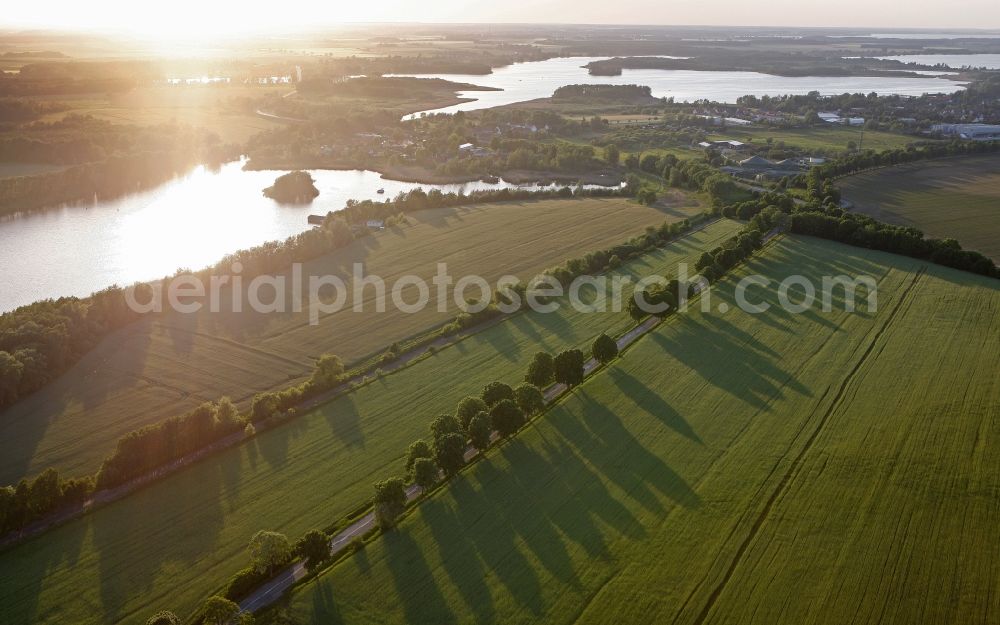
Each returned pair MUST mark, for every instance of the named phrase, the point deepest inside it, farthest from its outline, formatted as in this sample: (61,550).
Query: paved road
(274,589)
(278,585)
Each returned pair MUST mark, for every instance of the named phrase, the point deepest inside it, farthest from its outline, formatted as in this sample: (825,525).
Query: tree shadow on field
(273,447)
(524,322)
(344,419)
(740,335)
(324,606)
(495,539)
(556,324)
(458,554)
(24,568)
(501,339)
(763,365)
(648,400)
(627,462)
(536,528)
(101,385)
(589,503)
(175,524)
(182,329)
(419,594)
(438,217)
(731,366)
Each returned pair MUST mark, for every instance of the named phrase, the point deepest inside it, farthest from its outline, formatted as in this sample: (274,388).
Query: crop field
(205,106)
(957,198)
(171,544)
(822,138)
(730,468)
(13,170)
(150,371)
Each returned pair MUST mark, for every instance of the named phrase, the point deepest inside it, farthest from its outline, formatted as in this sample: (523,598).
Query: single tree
(449,453)
(506,417)
(468,408)
(480,430)
(613,155)
(6,507)
(263,406)
(605,349)
(227,415)
(528,398)
(329,370)
(314,546)
(219,610)
(390,501)
(541,370)
(165,617)
(635,311)
(494,392)
(268,550)
(417,449)
(569,367)
(443,425)
(45,492)
(705,260)
(425,473)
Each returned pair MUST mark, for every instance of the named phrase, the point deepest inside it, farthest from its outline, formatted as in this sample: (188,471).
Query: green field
(150,371)
(956,198)
(171,544)
(812,468)
(825,138)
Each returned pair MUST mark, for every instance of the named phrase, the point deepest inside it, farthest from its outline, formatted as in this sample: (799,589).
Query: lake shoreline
(420,175)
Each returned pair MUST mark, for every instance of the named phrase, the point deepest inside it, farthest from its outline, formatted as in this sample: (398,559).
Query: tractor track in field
(793,469)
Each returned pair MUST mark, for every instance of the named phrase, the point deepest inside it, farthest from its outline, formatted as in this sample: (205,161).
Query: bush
(244,582)
(165,617)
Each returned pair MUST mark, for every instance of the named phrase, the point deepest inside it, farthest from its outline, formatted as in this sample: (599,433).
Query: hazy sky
(210,17)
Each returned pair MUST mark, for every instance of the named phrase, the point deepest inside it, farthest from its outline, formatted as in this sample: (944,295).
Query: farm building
(971,132)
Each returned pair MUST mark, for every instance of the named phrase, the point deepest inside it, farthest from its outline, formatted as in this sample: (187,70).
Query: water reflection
(190,222)
(539,79)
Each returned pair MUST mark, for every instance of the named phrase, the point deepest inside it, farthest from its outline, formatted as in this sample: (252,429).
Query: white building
(971,132)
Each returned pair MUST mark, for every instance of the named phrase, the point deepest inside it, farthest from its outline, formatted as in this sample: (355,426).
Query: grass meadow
(729,468)
(949,198)
(170,364)
(825,138)
(170,545)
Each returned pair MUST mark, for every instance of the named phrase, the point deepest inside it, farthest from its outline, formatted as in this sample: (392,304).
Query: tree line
(41,340)
(867,159)
(498,412)
(104,160)
(828,221)
(499,409)
(147,449)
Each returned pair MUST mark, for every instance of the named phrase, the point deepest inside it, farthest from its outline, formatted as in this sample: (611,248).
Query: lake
(192,221)
(539,79)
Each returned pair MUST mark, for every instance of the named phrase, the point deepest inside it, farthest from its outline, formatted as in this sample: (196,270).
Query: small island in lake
(293,188)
